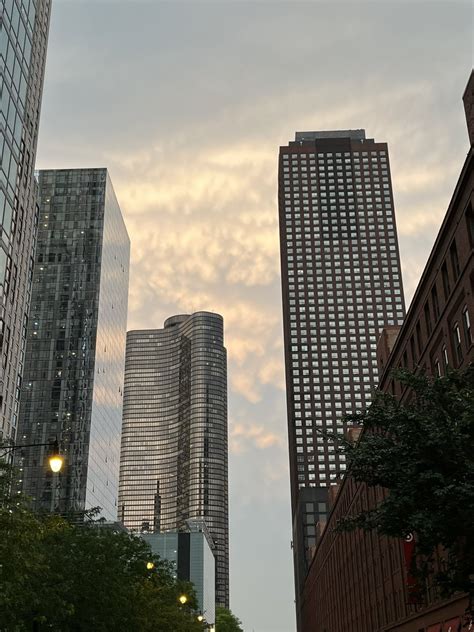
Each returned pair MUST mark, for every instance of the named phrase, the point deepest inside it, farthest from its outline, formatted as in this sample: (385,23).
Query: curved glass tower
(173,463)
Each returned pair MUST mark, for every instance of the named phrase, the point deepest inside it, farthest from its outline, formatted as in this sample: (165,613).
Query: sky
(186,103)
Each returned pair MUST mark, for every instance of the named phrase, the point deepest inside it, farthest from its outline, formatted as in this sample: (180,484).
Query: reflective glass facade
(192,557)
(173,462)
(341,285)
(24,28)
(73,381)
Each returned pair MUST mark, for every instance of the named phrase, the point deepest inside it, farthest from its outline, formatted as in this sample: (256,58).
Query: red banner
(453,625)
(411,581)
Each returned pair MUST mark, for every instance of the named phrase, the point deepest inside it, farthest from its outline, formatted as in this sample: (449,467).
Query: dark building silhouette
(24,28)
(173,464)
(358,581)
(75,351)
(341,284)
(468,99)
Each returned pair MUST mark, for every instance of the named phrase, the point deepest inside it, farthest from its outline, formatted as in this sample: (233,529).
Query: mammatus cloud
(258,449)
(208,199)
(204,223)
(243,434)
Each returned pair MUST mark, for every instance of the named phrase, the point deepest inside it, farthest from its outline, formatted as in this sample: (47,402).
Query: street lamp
(55,459)
(150,566)
(182,599)
(201,618)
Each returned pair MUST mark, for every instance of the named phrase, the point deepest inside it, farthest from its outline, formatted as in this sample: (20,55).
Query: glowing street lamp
(182,599)
(150,566)
(55,459)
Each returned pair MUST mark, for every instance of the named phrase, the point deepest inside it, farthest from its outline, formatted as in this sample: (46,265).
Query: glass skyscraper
(75,352)
(173,464)
(190,552)
(341,285)
(24,28)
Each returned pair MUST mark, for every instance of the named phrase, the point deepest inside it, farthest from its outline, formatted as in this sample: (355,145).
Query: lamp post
(202,619)
(55,459)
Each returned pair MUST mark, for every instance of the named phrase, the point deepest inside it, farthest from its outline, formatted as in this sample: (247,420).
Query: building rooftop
(355,134)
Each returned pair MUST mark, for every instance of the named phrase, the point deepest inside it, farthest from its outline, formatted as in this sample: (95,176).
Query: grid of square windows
(343,286)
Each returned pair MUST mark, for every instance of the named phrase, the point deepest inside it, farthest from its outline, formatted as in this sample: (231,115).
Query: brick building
(357,581)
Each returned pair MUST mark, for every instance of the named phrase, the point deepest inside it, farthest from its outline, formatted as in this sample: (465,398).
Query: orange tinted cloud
(244,435)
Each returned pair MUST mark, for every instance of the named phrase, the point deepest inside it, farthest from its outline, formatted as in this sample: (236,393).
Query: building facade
(341,284)
(173,464)
(358,581)
(24,26)
(191,553)
(468,100)
(75,352)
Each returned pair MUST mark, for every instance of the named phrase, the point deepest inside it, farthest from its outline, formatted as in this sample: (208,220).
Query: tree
(62,577)
(226,621)
(422,452)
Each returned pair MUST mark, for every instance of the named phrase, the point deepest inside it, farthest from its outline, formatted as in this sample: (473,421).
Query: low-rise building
(191,553)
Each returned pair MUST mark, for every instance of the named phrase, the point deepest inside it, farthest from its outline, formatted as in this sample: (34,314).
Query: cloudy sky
(187,103)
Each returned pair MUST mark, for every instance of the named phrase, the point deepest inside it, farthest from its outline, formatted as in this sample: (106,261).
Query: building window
(467,327)
(446,286)
(418,338)
(435,302)
(444,351)
(455,260)
(470,224)
(437,368)
(412,349)
(457,342)
(427,318)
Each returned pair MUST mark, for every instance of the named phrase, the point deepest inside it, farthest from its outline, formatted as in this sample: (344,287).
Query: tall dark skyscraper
(75,352)
(341,285)
(24,28)
(173,464)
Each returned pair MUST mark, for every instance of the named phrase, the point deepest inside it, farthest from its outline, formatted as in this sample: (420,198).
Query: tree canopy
(422,451)
(226,621)
(58,576)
